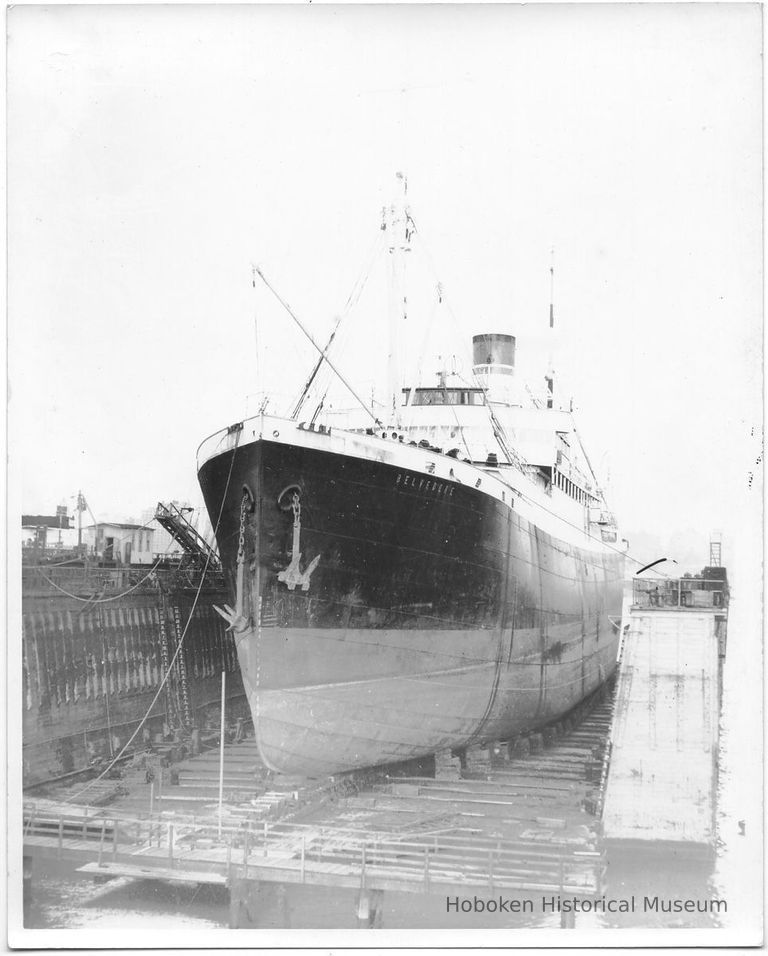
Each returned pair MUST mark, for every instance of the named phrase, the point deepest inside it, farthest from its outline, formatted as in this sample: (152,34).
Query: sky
(157,153)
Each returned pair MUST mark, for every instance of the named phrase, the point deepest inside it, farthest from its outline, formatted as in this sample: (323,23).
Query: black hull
(436,614)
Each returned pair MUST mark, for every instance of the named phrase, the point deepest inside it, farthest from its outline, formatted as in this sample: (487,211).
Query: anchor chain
(243,512)
(296,506)
(293,576)
(236,618)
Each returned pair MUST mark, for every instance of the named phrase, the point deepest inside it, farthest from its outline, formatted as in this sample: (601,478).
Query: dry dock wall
(662,780)
(90,672)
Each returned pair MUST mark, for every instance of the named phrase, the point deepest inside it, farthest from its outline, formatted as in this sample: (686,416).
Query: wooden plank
(154,873)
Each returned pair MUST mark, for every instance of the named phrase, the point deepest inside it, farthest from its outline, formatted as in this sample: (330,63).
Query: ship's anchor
(237,620)
(292,575)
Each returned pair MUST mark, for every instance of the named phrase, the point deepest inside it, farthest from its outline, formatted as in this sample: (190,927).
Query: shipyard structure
(113,651)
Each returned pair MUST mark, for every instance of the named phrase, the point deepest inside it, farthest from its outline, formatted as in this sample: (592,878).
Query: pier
(662,783)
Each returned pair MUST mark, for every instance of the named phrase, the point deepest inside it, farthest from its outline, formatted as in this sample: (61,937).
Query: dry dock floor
(522,816)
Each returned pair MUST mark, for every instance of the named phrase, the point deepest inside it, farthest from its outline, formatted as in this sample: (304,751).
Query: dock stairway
(181,530)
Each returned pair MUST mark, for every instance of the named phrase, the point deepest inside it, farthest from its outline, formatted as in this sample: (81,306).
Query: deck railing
(239,850)
(679,592)
(91,580)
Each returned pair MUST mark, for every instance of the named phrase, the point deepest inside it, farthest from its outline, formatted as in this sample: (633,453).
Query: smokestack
(493,353)
(494,366)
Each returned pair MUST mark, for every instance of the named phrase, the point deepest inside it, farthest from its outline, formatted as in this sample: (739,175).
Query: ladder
(183,704)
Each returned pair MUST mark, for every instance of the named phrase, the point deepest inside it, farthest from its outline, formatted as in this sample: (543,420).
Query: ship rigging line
(499,432)
(351,303)
(172,662)
(498,429)
(605,544)
(586,458)
(461,432)
(352,299)
(505,450)
(422,352)
(315,370)
(319,349)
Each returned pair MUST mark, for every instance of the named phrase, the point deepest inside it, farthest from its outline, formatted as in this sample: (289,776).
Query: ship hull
(347,723)
(435,615)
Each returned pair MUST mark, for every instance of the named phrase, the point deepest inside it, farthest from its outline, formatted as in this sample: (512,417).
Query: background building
(120,542)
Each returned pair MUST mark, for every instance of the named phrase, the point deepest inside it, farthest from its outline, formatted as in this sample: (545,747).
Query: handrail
(377,846)
(658,582)
(92,577)
(418,862)
(680,592)
(276,829)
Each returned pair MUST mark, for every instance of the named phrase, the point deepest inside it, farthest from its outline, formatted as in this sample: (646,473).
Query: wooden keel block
(497,754)
(536,743)
(447,767)
(519,747)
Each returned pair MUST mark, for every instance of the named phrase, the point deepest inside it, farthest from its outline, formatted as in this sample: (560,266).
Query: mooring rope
(178,649)
(115,597)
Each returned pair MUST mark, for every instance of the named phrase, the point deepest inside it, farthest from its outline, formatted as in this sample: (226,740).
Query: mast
(550,376)
(396,221)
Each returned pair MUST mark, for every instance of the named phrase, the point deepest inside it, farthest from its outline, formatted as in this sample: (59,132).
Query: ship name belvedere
(422,483)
